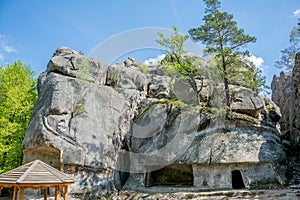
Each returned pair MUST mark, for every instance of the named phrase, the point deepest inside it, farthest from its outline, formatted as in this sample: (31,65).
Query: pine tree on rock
(223,39)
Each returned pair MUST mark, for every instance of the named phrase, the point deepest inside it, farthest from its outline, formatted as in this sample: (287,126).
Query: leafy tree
(179,64)
(244,73)
(223,39)
(287,59)
(17,97)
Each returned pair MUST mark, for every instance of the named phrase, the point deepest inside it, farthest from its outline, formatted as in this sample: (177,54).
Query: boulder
(159,87)
(183,91)
(131,62)
(70,63)
(128,77)
(271,111)
(246,101)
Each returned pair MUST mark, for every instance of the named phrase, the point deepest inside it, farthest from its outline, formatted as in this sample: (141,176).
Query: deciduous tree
(287,59)
(178,63)
(17,97)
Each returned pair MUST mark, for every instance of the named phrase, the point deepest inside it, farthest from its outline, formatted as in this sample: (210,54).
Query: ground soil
(291,193)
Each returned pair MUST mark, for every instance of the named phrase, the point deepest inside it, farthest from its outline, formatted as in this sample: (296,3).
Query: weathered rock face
(102,123)
(70,63)
(295,104)
(281,95)
(245,101)
(81,117)
(126,77)
(285,93)
(190,138)
(184,92)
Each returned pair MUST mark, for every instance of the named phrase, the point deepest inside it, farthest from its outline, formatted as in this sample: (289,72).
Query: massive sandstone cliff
(113,126)
(286,94)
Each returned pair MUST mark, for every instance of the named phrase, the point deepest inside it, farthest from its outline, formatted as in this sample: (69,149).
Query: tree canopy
(177,63)
(17,97)
(287,59)
(224,41)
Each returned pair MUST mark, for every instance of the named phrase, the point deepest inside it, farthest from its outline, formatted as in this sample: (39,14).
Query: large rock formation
(125,125)
(79,117)
(295,104)
(285,93)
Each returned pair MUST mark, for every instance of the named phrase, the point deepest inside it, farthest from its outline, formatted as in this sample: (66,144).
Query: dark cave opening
(237,180)
(173,175)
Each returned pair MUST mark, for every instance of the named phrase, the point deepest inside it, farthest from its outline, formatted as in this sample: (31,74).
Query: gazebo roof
(36,172)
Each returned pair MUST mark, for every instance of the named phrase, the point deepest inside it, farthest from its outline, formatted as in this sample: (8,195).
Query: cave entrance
(237,180)
(173,175)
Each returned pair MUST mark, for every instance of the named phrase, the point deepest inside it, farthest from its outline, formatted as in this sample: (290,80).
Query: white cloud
(154,61)
(257,61)
(297,13)
(1,56)
(5,48)
(9,49)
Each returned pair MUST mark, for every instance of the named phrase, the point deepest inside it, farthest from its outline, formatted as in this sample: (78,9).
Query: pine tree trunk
(227,97)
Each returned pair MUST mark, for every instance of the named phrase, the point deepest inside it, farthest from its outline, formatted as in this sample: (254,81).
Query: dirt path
(278,194)
(282,194)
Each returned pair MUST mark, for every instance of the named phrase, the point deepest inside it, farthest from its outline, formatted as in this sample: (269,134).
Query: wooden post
(66,192)
(22,193)
(57,193)
(61,167)
(45,193)
(15,194)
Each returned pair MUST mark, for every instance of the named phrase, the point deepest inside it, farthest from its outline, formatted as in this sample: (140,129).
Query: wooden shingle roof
(35,173)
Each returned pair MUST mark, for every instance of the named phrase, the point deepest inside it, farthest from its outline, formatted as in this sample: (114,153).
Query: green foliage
(244,73)
(174,44)
(83,69)
(162,179)
(143,68)
(223,39)
(240,116)
(174,102)
(176,64)
(270,108)
(219,112)
(79,108)
(17,97)
(287,59)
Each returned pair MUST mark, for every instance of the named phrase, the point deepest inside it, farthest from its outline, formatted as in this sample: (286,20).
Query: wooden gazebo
(36,175)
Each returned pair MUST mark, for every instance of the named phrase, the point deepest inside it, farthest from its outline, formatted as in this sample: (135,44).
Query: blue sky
(31,30)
